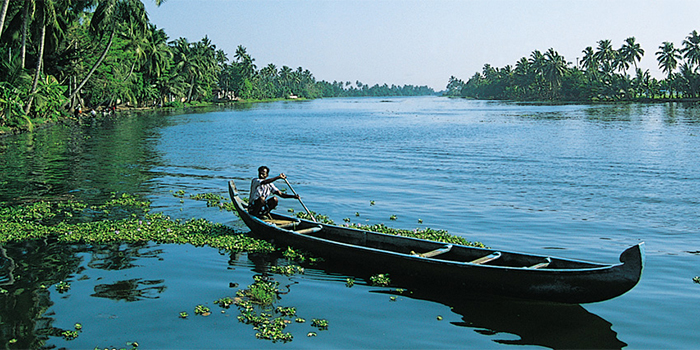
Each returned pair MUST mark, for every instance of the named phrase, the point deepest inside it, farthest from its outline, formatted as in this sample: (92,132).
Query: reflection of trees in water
(7,268)
(130,290)
(120,256)
(37,265)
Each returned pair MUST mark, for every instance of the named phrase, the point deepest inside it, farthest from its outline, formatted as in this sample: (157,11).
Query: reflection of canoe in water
(522,322)
(484,270)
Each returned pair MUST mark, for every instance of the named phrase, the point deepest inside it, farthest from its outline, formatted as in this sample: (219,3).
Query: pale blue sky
(421,42)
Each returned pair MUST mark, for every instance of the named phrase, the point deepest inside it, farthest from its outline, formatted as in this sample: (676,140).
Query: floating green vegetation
(319,217)
(263,291)
(256,306)
(225,302)
(69,335)
(212,199)
(381,279)
(426,233)
(123,200)
(124,218)
(62,287)
(349,282)
(696,279)
(321,324)
(183,314)
(286,311)
(133,346)
(299,256)
(72,334)
(287,270)
(322,219)
(202,310)
(260,295)
(393,218)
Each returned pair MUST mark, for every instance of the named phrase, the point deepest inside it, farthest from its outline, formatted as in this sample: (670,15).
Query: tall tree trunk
(37,73)
(92,70)
(25,28)
(189,95)
(3,12)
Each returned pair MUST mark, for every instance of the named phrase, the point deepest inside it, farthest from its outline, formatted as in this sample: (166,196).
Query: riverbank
(123,110)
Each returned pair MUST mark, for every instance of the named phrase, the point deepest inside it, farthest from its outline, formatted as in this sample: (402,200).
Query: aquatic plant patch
(426,233)
(124,218)
(381,279)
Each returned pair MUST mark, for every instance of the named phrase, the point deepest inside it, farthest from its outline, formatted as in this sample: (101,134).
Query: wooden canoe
(489,271)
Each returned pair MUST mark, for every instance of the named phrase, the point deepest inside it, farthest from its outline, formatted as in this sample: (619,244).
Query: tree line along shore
(602,74)
(60,57)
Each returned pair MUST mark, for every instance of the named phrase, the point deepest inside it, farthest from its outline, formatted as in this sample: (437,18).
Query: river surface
(576,181)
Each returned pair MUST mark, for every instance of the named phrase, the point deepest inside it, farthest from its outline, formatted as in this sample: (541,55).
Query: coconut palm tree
(158,52)
(3,13)
(109,19)
(691,49)
(46,14)
(606,56)
(668,57)
(589,62)
(641,82)
(630,52)
(537,61)
(553,70)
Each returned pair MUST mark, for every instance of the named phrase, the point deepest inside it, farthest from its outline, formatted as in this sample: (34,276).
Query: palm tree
(668,57)
(28,10)
(630,52)
(285,76)
(158,52)
(185,64)
(605,55)
(136,41)
(691,49)
(641,81)
(537,61)
(47,16)
(553,70)
(588,62)
(3,13)
(108,19)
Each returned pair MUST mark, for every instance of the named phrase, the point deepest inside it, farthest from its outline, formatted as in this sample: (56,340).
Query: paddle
(302,203)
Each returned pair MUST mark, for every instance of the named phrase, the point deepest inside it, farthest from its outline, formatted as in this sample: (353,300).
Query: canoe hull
(570,281)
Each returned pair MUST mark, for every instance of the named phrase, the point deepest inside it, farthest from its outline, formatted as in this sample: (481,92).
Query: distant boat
(488,271)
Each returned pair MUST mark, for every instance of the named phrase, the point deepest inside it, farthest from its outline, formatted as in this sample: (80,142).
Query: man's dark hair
(260,169)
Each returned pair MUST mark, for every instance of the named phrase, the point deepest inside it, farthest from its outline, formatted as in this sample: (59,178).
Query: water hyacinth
(128,220)
(426,233)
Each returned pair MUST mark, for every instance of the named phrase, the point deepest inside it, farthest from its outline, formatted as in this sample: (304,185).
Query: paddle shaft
(302,203)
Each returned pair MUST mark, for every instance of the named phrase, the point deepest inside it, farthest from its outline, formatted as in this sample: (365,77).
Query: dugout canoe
(482,270)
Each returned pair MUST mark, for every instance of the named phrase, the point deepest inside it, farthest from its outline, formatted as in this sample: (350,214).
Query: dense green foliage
(603,74)
(122,219)
(56,56)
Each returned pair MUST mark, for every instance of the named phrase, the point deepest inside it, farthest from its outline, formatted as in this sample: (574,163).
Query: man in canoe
(262,189)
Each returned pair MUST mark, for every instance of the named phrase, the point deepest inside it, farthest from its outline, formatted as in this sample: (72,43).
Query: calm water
(568,180)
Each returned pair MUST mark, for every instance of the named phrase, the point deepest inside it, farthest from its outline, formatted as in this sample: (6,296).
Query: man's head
(263,171)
